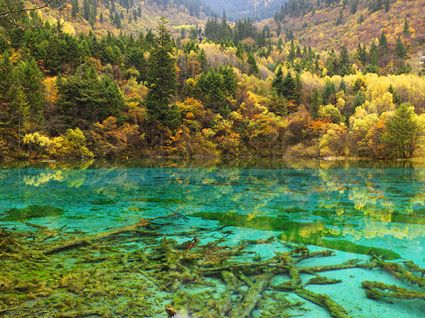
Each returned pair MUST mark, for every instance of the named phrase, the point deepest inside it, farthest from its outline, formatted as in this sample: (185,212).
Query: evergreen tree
(383,43)
(328,94)
(117,20)
(403,131)
(22,112)
(27,81)
(278,80)
(252,64)
(400,50)
(344,63)
(202,58)
(339,19)
(406,28)
(162,80)
(86,98)
(315,102)
(286,86)
(215,87)
(74,9)
(387,5)
(86,10)
(362,54)
(396,95)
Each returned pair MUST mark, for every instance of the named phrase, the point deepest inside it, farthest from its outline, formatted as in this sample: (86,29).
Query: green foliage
(162,80)
(403,131)
(216,88)
(252,64)
(287,86)
(86,97)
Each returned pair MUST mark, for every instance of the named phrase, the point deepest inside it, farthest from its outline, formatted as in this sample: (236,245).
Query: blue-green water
(358,210)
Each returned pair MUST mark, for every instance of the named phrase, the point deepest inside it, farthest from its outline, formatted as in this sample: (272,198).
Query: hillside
(128,16)
(237,9)
(332,24)
(245,90)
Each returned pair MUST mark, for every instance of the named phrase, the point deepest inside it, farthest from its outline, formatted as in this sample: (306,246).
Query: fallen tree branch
(252,297)
(375,290)
(85,241)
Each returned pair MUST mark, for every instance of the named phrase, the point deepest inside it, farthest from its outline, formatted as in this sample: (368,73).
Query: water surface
(359,210)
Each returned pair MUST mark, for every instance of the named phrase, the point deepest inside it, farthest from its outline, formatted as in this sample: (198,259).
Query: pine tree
(383,43)
(28,77)
(22,111)
(387,5)
(406,28)
(202,58)
(289,87)
(117,20)
(86,98)
(162,80)
(400,49)
(362,54)
(396,95)
(315,102)
(252,64)
(403,132)
(344,63)
(86,10)
(75,9)
(373,55)
(328,92)
(339,19)
(278,80)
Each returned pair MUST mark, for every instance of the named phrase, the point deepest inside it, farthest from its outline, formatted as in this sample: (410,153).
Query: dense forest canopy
(229,89)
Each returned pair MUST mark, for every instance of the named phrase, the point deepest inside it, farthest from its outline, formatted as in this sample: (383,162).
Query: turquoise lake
(358,209)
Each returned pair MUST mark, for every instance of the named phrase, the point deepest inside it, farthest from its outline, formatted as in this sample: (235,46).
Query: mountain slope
(323,25)
(129,16)
(236,9)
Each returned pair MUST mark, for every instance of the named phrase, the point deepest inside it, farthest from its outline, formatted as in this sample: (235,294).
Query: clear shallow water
(358,209)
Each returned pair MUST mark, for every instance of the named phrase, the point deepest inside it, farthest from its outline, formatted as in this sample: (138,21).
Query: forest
(232,89)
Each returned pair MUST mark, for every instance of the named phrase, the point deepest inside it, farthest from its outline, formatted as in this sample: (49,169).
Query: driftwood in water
(324,301)
(406,274)
(87,240)
(320,280)
(326,268)
(375,290)
(252,297)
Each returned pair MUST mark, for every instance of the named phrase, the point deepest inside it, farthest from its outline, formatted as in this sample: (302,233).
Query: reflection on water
(362,208)
(310,202)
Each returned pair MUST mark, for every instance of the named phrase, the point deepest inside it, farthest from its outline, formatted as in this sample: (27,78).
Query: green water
(356,209)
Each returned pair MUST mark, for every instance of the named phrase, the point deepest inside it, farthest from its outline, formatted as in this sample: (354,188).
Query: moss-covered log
(252,297)
(376,290)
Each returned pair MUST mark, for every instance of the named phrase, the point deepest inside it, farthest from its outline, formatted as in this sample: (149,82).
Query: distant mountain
(236,9)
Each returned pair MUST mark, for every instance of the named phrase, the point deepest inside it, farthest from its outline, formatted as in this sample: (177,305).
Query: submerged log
(89,239)
(324,253)
(252,297)
(402,273)
(375,290)
(327,268)
(320,280)
(324,301)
